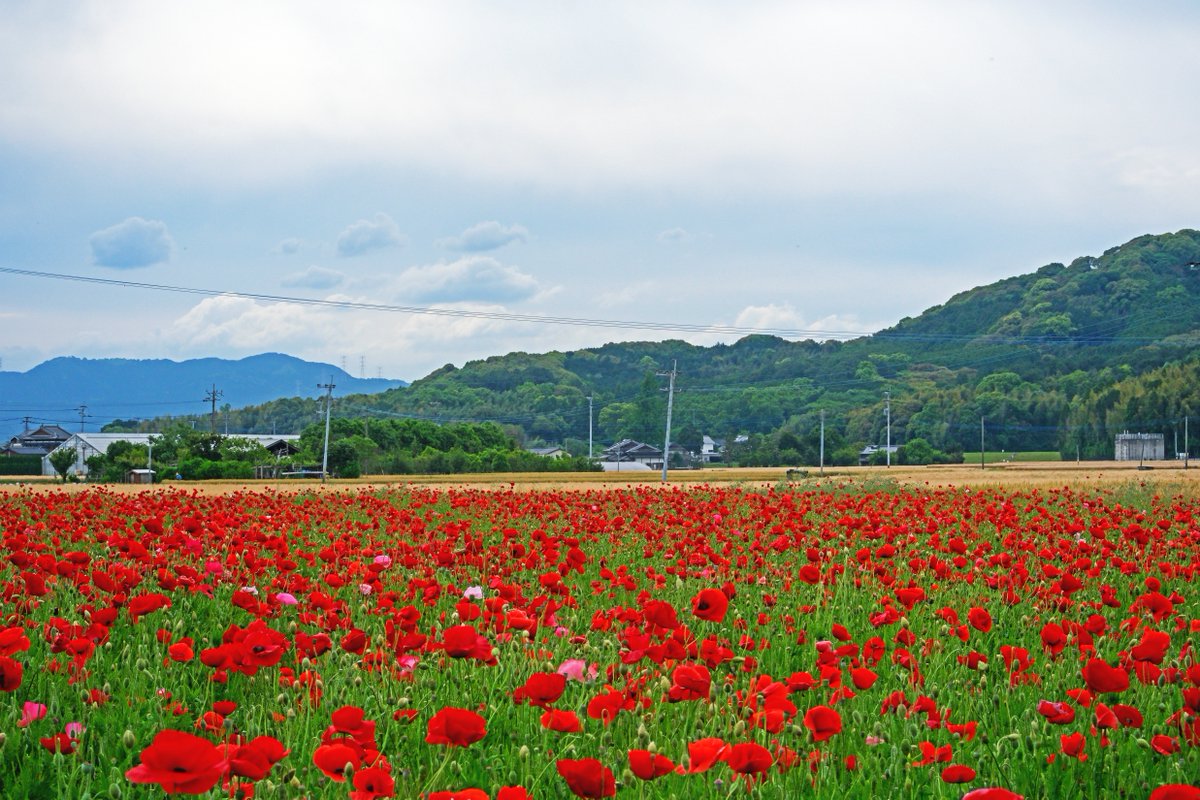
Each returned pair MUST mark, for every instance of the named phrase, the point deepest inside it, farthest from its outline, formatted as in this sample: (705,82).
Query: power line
(678,327)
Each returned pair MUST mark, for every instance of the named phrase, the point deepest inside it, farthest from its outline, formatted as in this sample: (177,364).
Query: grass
(1019,456)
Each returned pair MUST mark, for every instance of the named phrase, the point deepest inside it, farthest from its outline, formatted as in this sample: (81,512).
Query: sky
(815,168)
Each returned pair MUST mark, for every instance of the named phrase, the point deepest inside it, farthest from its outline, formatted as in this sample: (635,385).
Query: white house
(89,444)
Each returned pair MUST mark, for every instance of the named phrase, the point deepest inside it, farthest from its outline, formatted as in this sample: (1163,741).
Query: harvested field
(1104,474)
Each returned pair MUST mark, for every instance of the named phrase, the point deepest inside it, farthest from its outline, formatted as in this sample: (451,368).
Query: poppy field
(713,641)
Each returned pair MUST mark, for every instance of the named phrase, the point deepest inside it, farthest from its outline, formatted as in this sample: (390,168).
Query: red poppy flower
(460,794)
(1127,715)
(541,689)
(1175,791)
(710,604)
(1055,712)
(980,619)
(513,793)
(823,721)
(1054,639)
(180,762)
(13,640)
(1164,745)
(648,766)
(958,773)
(992,793)
(605,707)
(690,682)
(555,719)
(863,678)
(463,641)
(749,759)
(457,727)
(372,783)
(332,759)
(11,671)
(1100,677)
(587,777)
(703,753)
(1072,745)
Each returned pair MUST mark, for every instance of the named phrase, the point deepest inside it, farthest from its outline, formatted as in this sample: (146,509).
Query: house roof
(630,448)
(624,466)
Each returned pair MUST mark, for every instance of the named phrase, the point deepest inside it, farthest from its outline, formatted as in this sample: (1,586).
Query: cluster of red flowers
(516,645)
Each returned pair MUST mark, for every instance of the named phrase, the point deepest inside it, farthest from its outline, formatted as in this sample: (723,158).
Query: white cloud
(314,278)
(801,98)
(472,278)
(289,246)
(784,318)
(366,235)
(482,236)
(135,242)
(405,345)
(674,236)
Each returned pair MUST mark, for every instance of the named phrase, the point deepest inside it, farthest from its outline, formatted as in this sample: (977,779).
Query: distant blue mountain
(127,388)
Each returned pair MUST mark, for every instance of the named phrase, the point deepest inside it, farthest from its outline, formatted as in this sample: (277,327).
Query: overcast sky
(809,166)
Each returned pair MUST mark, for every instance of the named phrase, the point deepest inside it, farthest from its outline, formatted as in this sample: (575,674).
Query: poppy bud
(114,791)
(268,787)
(652,747)
(281,699)
(140,664)
(128,739)
(3,739)
(523,753)
(513,778)
(289,776)
(739,730)
(295,784)
(1142,743)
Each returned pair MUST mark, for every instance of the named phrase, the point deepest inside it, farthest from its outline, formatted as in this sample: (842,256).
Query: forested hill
(1020,353)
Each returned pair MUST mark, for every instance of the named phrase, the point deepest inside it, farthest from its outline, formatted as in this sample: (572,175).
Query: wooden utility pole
(212,397)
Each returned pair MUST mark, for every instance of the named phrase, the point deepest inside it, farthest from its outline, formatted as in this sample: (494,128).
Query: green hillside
(1041,357)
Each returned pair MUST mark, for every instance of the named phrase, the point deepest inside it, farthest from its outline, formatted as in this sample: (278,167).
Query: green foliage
(62,460)
(20,465)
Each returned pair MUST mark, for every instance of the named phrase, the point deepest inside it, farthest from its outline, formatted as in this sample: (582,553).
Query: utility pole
(887,409)
(82,414)
(212,397)
(150,460)
(589,427)
(670,402)
(822,441)
(328,387)
(981,447)
(1185,443)
(26,421)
